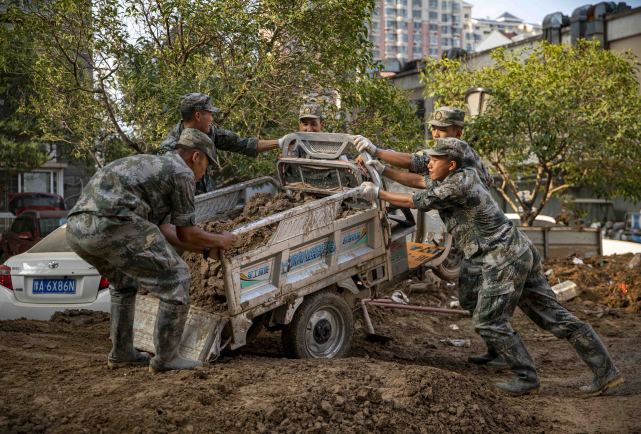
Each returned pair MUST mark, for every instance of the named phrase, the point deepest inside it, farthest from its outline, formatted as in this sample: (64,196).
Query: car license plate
(54,286)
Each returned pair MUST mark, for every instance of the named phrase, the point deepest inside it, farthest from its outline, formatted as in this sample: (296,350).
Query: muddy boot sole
(614,383)
(116,365)
(143,360)
(521,393)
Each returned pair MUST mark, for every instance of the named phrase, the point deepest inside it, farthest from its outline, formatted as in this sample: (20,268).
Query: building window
(38,182)
(433,27)
(416,14)
(444,5)
(417,3)
(445,30)
(417,26)
(433,15)
(433,4)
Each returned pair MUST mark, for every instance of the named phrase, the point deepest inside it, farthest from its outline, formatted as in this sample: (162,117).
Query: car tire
(322,328)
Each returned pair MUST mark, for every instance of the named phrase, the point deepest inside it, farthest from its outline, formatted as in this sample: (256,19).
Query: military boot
(591,349)
(491,358)
(517,357)
(123,352)
(168,332)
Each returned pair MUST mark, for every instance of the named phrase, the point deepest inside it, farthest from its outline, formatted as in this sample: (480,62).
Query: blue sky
(528,10)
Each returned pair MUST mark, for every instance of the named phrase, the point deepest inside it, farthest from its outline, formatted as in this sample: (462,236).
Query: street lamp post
(476,99)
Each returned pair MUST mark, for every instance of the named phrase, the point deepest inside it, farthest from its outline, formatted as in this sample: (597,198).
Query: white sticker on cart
(256,274)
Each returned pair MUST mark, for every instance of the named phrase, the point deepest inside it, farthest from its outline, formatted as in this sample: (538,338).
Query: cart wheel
(450,268)
(322,328)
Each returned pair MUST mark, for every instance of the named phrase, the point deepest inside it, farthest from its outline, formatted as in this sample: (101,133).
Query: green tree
(559,116)
(111,73)
(19,148)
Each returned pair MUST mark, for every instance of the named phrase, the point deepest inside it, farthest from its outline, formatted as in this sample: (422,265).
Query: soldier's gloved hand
(363,144)
(281,142)
(376,165)
(369,191)
(226,240)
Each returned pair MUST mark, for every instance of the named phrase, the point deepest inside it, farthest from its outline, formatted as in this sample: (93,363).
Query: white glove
(369,191)
(363,144)
(281,142)
(376,165)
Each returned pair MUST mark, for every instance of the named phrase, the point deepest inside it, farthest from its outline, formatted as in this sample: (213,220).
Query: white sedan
(50,278)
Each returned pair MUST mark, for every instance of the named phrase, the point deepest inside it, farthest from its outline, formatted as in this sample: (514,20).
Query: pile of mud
(207,286)
(605,280)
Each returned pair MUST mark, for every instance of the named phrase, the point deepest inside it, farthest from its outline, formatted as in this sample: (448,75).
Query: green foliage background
(559,117)
(107,76)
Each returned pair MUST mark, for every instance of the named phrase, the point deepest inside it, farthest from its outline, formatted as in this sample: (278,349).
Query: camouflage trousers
(132,253)
(519,283)
(469,283)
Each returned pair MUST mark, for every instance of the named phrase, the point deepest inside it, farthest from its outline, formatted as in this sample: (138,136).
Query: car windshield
(48,225)
(36,200)
(56,241)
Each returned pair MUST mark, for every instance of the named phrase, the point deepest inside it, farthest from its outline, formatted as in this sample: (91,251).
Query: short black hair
(188,114)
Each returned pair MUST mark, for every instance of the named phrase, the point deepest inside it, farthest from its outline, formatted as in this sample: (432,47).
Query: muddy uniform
(511,272)
(114,225)
(223,139)
(470,275)
(511,276)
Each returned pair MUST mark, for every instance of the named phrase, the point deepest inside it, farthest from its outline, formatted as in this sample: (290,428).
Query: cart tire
(450,268)
(322,328)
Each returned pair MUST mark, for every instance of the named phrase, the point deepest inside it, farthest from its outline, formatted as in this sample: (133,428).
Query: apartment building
(406,30)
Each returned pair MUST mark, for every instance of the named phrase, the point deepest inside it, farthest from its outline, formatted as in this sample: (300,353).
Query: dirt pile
(605,280)
(62,385)
(207,287)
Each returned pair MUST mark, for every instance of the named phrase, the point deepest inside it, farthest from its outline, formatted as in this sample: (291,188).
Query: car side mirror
(25,236)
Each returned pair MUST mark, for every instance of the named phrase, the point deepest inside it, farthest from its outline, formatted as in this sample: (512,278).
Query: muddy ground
(54,378)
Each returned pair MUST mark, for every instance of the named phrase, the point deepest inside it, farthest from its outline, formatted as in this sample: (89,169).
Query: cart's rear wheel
(322,328)
(450,268)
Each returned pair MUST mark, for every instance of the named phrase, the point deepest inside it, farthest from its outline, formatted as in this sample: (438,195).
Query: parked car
(20,202)
(50,278)
(29,228)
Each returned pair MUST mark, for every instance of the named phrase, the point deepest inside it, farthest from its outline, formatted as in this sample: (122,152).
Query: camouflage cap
(196,139)
(450,146)
(446,116)
(195,102)
(310,110)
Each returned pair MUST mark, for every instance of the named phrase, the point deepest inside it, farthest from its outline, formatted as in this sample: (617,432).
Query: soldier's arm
(230,141)
(199,239)
(265,145)
(406,178)
(169,231)
(398,159)
(402,200)
(448,194)
(184,217)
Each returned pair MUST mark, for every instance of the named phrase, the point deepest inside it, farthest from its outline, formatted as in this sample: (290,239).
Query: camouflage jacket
(480,229)
(153,187)
(223,139)
(418,164)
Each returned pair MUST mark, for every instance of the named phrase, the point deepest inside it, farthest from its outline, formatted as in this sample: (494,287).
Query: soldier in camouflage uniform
(510,266)
(197,112)
(446,122)
(114,227)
